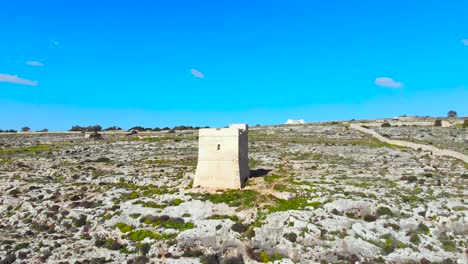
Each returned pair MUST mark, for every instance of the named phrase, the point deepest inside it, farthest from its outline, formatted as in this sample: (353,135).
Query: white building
(223,160)
(294,122)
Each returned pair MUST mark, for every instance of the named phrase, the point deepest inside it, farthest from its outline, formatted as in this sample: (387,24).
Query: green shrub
(448,245)
(291,237)
(124,228)
(276,256)
(315,204)
(423,228)
(384,211)
(152,204)
(264,257)
(102,159)
(81,221)
(239,228)
(176,202)
(370,218)
(415,239)
(135,216)
(412,178)
(21,246)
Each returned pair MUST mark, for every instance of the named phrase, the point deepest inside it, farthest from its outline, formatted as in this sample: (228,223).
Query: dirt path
(434,150)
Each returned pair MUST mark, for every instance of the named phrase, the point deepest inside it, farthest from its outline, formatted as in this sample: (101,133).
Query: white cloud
(197,73)
(388,82)
(34,63)
(17,80)
(465,41)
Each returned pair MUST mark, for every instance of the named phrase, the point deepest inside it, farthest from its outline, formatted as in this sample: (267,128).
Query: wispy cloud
(34,63)
(15,79)
(465,41)
(197,73)
(56,43)
(388,82)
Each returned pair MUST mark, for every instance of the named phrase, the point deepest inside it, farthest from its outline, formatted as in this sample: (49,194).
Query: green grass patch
(264,258)
(390,244)
(220,217)
(234,198)
(139,235)
(177,223)
(271,178)
(125,250)
(152,204)
(294,204)
(7,161)
(280,187)
(25,150)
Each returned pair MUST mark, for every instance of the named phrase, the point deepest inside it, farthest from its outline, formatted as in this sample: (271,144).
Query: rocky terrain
(319,193)
(453,138)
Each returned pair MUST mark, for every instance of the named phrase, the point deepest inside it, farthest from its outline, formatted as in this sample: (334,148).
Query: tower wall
(222,158)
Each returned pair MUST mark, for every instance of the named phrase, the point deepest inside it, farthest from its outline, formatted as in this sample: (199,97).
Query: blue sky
(167,63)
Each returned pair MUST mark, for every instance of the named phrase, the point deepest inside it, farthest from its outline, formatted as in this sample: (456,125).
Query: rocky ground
(452,138)
(319,193)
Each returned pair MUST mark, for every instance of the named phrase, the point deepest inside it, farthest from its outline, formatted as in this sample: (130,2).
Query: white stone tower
(223,160)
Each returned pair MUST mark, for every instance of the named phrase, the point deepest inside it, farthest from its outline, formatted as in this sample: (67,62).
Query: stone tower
(223,160)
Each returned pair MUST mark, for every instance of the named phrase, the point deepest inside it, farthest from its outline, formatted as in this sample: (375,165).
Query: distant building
(223,160)
(294,122)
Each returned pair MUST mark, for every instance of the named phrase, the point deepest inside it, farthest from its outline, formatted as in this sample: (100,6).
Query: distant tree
(44,130)
(137,128)
(112,128)
(76,129)
(25,129)
(452,113)
(8,131)
(182,127)
(438,123)
(96,128)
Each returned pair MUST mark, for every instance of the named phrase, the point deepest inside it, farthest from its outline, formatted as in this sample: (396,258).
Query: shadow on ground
(259,173)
